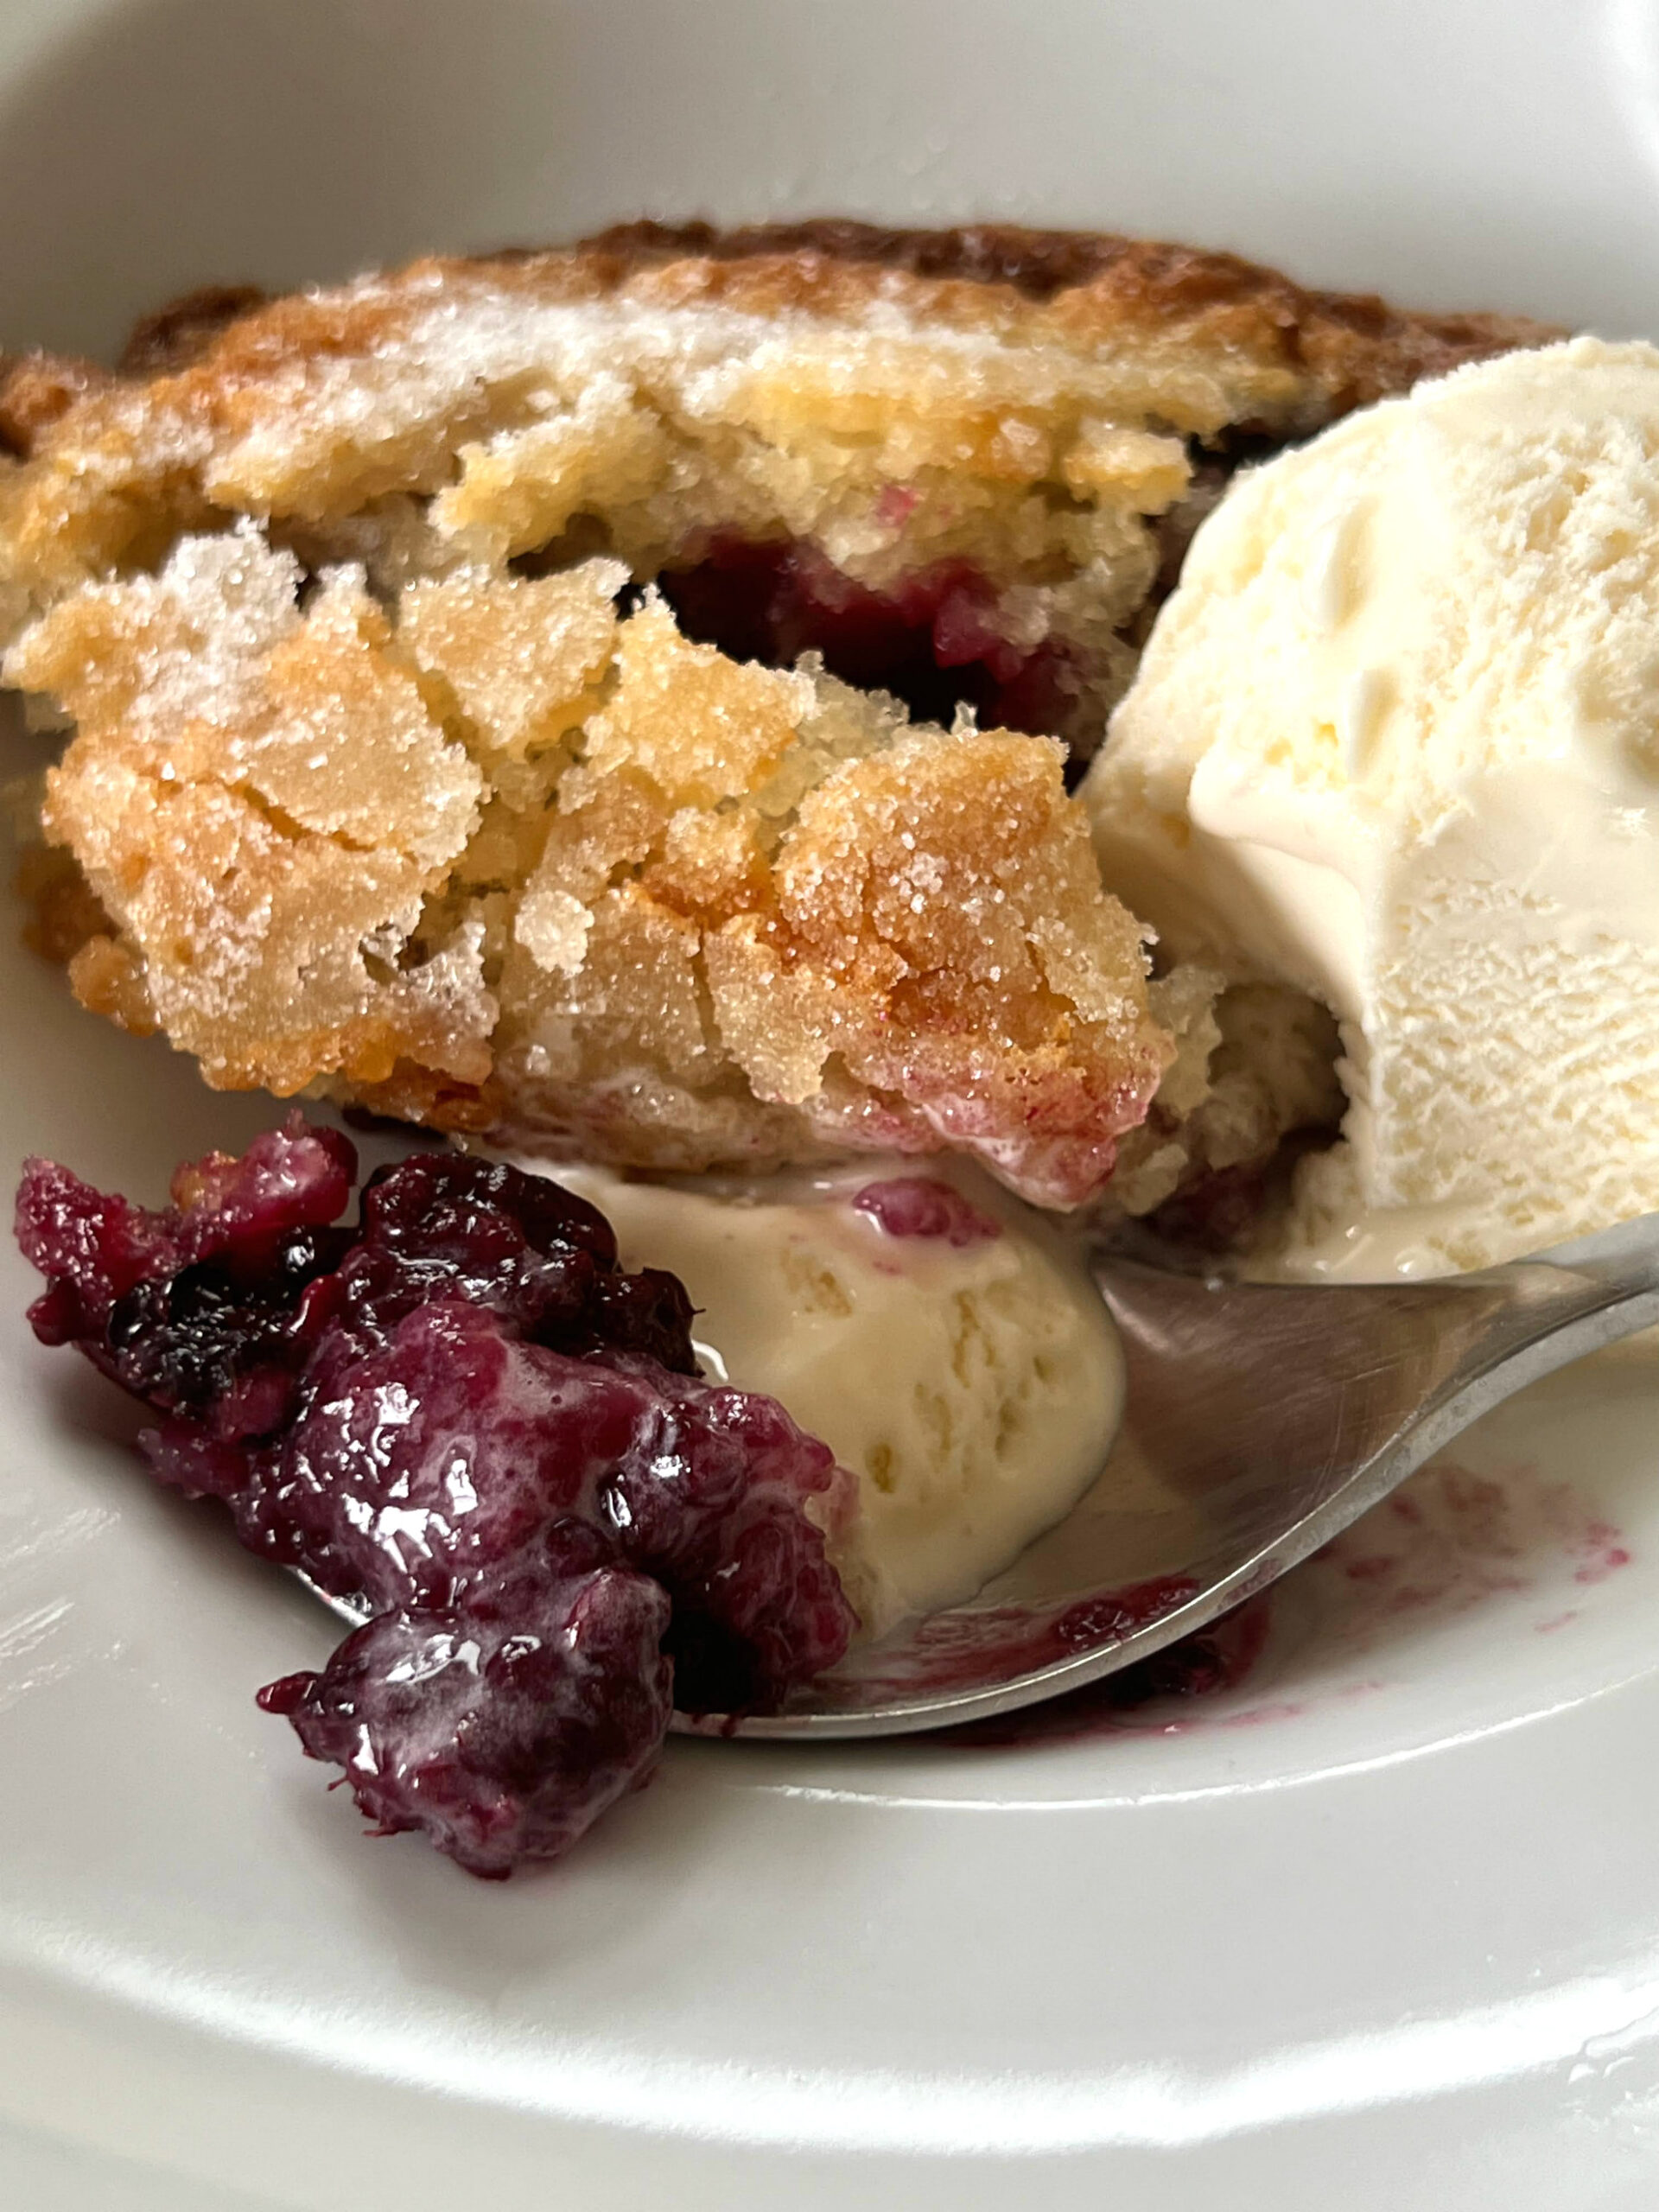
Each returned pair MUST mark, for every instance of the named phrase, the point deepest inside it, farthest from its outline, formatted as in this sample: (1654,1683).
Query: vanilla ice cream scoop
(1396,741)
(956,1358)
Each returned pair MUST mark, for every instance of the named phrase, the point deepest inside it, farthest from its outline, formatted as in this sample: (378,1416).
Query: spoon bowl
(1261,1420)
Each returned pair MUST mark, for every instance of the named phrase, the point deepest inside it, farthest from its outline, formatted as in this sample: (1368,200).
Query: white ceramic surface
(1380,1929)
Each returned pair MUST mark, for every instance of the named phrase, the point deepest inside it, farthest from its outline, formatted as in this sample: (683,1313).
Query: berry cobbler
(623,708)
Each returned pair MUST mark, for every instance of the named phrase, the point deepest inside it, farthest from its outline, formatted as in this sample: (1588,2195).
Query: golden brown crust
(172,336)
(1343,350)
(1356,347)
(1351,348)
(38,389)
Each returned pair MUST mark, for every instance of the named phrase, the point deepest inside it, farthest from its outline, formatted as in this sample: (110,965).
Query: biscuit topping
(392,779)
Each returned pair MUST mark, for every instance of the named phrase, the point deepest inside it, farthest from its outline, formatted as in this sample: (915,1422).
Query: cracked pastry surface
(394,783)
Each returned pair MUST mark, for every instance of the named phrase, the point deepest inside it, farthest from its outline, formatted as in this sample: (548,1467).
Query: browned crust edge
(172,336)
(1355,344)
(1354,347)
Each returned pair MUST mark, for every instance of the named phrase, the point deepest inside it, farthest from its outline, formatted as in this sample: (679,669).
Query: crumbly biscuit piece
(390,786)
(1253,1065)
(496,854)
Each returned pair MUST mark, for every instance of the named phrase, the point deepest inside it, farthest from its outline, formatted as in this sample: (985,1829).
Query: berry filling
(920,1205)
(936,640)
(462,1415)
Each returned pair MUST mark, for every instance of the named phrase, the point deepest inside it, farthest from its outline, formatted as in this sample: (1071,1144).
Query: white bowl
(1391,1943)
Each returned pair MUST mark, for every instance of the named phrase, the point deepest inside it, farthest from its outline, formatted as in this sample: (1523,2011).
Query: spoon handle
(1551,1310)
(1624,1257)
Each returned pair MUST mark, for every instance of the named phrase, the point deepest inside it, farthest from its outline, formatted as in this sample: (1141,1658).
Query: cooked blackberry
(462,1417)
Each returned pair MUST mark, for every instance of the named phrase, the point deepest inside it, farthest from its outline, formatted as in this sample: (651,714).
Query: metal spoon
(1261,1420)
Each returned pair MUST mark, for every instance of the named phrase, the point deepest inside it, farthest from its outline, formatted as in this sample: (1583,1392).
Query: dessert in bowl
(626,706)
